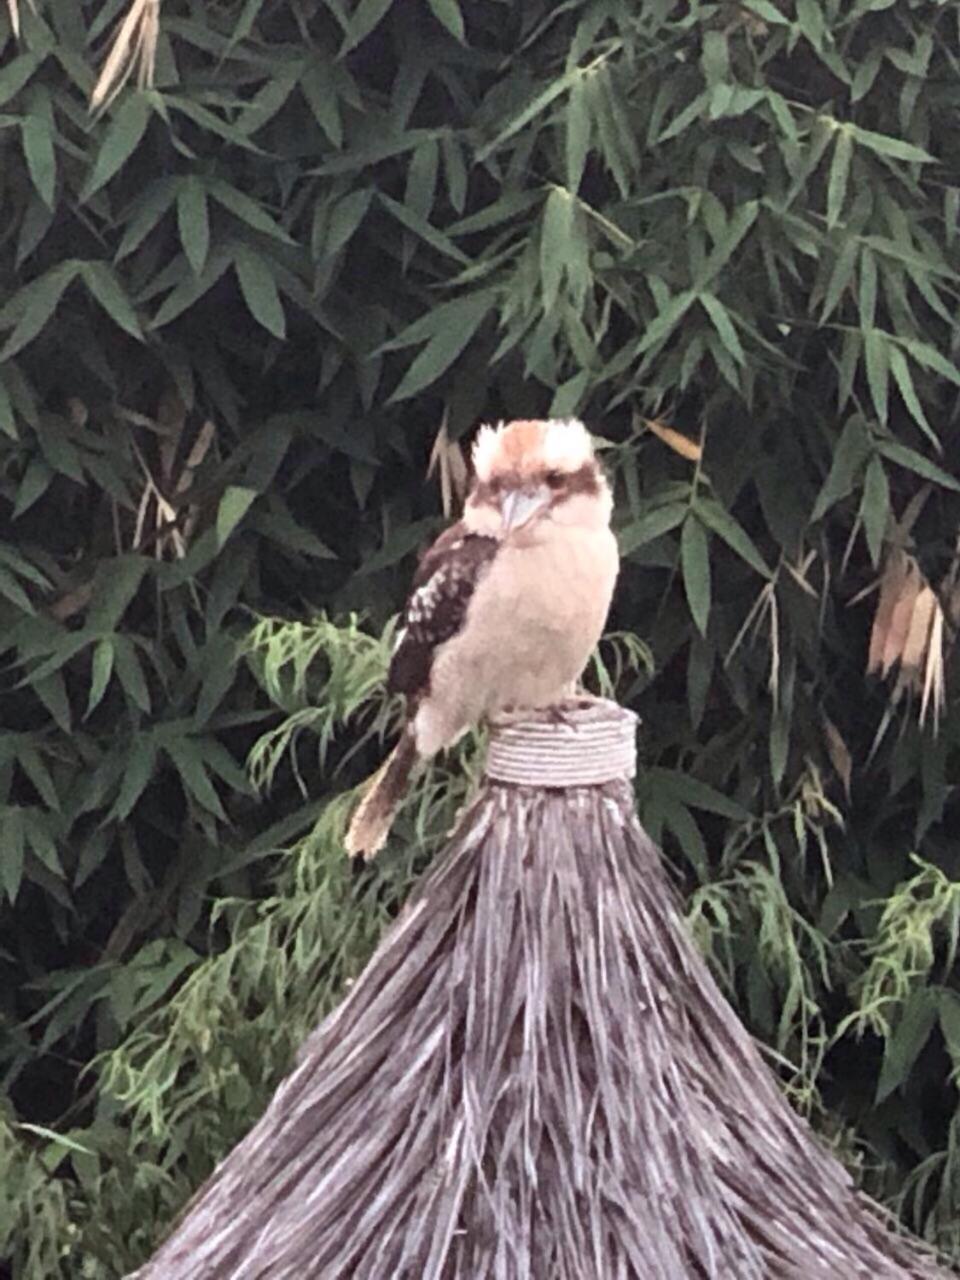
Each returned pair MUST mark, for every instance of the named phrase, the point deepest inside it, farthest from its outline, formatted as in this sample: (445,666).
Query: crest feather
(554,444)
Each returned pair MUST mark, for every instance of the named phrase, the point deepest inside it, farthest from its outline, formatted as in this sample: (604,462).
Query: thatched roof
(535,1077)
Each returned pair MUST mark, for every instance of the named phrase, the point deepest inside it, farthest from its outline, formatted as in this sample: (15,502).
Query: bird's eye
(554,479)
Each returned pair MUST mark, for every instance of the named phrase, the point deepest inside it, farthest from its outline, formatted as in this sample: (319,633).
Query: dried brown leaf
(838,752)
(890,580)
(934,689)
(201,446)
(908,588)
(918,634)
(134,48)
(71,602)
(171,418)
(678,442)
(13,8)
(446,458)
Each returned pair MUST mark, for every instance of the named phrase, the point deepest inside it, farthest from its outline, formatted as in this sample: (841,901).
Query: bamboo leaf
(365,19)
(695,563)
(130,672)
(841,276)
(767,11)
(555,235)
(105,288)
(420,227)
(101,670)
(877,352)
(448,12)
(678,818)
(561,85)
(16,74)
(685,118)
(115,585)
(868,289)
(247,210)
(653,524)
(38,301)
(890,148)
(446,343)
(904,1046)
(12,852)
(723,324)
(32,763)
(145,214)
(188,760)
(931,358)
(52,692)
(191,288)
(140,761)
(666,321)
(193,222)
(454,171)
(11,590)
(127,127)
(41,157)
(866,74)
(726,527)
(950,1024)
(812,23)
(700,663)
(8,421)
(691,791)
(839,176)
(346,217)
(780,722)
(849,455)
(875,507)
(917,463)
(320,91)
(259,289)
(578,132)
(234,505)
(901,375)
(740,222)
(951,211)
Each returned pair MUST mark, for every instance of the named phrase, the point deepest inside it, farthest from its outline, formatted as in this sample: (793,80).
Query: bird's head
(526,471)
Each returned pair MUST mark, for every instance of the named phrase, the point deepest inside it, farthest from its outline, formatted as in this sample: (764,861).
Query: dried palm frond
(535,1077)
(134,48)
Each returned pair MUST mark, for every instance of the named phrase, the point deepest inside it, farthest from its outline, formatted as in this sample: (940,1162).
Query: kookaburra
(507,604)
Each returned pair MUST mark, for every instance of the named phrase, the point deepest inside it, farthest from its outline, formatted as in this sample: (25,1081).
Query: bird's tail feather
(374,815)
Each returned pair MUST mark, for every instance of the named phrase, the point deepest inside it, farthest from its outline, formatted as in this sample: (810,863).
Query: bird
(505,607)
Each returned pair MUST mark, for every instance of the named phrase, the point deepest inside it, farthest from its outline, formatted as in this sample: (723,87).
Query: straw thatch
(535,1077)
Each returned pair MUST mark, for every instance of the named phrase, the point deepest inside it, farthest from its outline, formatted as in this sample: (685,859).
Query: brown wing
(443,585)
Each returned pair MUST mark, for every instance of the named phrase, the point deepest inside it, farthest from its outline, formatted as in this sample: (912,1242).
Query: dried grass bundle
(535,1077)
(134,48)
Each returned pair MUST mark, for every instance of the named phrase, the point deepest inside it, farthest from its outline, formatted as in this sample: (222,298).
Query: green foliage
(237,304)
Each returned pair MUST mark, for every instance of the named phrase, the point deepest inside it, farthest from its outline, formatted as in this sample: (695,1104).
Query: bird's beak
(521,505)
